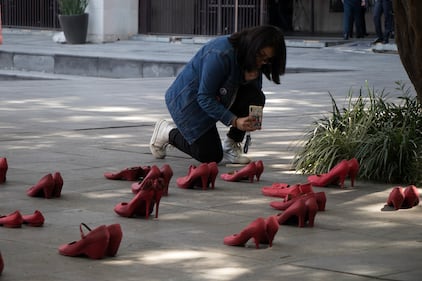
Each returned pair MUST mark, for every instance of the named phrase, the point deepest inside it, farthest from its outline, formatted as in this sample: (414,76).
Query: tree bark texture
(408,35)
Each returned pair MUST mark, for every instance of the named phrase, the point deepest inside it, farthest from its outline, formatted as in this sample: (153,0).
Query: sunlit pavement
(85,126)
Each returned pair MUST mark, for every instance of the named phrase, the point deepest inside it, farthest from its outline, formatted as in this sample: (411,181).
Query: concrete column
(112,20)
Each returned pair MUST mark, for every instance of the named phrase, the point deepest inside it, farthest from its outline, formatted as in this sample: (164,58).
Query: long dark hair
(250,41)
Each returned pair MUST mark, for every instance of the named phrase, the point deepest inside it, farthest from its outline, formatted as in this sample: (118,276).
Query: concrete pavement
(84,125)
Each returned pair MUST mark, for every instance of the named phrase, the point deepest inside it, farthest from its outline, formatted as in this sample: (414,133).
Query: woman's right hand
(246,124)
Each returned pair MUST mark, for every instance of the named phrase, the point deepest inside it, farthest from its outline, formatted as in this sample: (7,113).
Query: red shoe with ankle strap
(320,197)
(256,230)
(36,219)
(247,172)
(202,173)
(93,245)
(290,191)
(336,175)
(396,197)
(411,197)
(153,174)
(3,169)
(44,188)
(12,220)
(128,174)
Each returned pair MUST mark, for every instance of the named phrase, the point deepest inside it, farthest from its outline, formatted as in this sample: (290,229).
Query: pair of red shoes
(98,243)
(16,219)
(248,172)
(129,174)
(261,230)
(204,176)
(148,193)
(49,186)
(403,198)
(3,169)
(338,174)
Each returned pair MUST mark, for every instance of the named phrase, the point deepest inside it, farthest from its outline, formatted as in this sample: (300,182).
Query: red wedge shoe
(128,174)
(411,197)
(320,197)
(290,191)
(12,220)
(247,172)
(396,197)
(3,169)
(202,173)
(58,184)
(93,245)
(153,174)
(336,175)
(44,188)
(256,230)
(36,219)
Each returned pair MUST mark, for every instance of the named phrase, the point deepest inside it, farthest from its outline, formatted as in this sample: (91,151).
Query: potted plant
(74,20)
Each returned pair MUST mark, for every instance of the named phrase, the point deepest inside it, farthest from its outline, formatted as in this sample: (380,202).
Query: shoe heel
(213,168)
(259,169)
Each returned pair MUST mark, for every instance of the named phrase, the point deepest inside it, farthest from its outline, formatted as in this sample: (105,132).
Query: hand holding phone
(256,112)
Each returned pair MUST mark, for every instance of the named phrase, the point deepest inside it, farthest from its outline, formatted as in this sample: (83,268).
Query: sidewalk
(83,126)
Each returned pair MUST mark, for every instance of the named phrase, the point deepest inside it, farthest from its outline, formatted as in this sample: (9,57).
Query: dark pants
(383,7)
(352,13)
(207,148)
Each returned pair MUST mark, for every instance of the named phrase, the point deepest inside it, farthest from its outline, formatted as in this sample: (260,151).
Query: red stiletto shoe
(1,264)
(320,197)
(271,226)
(166,174)
(353,170)
(153,174)
(336,175)
(128,174)
(159,189)
(93,245)
(44,188)
(140,204)
(290,191)
(256,230)
(3,169)
(58,184)
(247,172)
(411,197)
(201,172)
(36,219)
(12,220)
(295,213)
(396,197)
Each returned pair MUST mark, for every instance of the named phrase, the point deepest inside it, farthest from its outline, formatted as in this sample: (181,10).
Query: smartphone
(256,112)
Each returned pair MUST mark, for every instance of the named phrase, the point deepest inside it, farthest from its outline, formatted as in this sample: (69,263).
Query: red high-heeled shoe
(247,172)
(311,206)
(336,175)
(353,170)
(256,230)
(166,174)
(141,204)
(159,189)
(12,220)
(259,169)
(3,169)
(58,184)
(116,234)
(94,244)
(396,197)
(195,173)
(213,167)
(1,264)
(128,174)
(36,219)
(290,191)
(320,197)
(271,226)
(297,211)
(44,188)
(411,197)
(153,174)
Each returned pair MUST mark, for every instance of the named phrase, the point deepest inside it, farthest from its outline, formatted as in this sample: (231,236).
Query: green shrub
(72,7)
(385,137)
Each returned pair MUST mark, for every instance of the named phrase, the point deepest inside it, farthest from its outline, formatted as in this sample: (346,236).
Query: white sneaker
(233,152)
(160,138)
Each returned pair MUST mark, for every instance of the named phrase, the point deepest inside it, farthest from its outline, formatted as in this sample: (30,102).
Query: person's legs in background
(377,21)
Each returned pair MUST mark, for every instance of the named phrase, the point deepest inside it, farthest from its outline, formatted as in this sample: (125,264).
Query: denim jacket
(203,92)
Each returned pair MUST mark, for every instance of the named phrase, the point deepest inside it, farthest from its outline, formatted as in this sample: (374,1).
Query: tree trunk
(408,35)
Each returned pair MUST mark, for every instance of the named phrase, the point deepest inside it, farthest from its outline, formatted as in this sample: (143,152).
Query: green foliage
(72,7)
(386,138)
